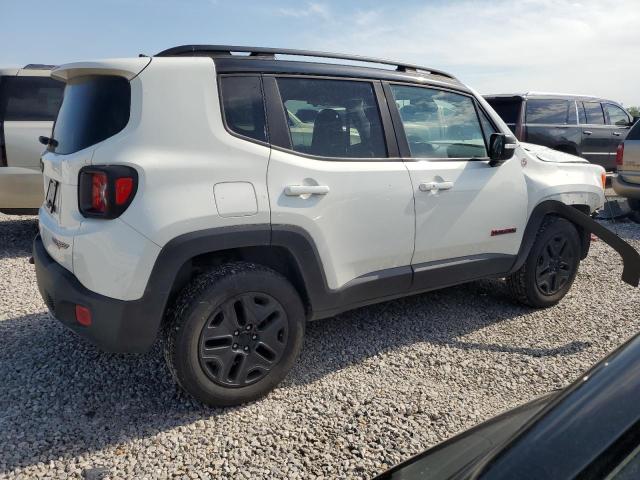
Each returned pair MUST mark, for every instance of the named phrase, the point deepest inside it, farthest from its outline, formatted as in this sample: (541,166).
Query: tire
(551,267)
(635,210)
(233,334)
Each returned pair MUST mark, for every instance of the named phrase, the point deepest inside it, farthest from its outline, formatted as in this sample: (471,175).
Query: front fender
(630,257)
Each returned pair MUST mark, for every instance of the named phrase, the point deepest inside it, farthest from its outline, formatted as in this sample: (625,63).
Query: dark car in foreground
(590,127)
(589,430)
(627,182)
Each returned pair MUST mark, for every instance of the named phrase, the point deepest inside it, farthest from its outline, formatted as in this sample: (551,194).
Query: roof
(263,59)
(542,94)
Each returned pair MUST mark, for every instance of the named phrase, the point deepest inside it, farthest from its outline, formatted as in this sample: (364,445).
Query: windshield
(94,108)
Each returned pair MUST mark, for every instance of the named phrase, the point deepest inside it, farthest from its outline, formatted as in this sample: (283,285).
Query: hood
(546,154)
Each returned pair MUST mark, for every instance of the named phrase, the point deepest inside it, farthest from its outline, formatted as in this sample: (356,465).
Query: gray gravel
(371,388)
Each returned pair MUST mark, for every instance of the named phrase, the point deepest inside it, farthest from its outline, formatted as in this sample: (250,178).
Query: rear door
(469,216)
(30,107)
(596,135)
(619,123)
(552,122)
(337,177)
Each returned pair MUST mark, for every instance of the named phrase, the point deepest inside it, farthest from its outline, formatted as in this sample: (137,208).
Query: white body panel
(457,222)
(361,215)
(365,222)
(21,140)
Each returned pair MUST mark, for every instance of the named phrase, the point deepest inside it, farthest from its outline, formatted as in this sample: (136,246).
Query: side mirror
(501,148)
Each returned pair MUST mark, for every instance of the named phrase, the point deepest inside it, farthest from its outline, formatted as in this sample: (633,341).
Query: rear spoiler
(123,67)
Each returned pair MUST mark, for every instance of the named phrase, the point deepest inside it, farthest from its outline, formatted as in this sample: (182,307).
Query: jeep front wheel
(234,334)
(551,267)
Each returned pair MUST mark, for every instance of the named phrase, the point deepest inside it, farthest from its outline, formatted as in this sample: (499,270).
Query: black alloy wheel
(243,339)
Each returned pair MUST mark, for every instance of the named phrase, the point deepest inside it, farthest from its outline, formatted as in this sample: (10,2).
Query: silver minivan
(29,102)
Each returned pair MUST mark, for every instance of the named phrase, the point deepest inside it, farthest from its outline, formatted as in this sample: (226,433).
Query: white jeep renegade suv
(224,200)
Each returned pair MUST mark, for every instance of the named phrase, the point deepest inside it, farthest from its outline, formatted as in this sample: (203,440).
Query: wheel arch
(579,216)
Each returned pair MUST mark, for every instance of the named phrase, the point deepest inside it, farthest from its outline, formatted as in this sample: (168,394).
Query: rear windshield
(508,109)
(94,108)
(634,133)
(27,98)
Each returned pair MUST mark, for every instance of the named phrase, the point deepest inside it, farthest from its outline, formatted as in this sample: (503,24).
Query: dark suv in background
(590,127)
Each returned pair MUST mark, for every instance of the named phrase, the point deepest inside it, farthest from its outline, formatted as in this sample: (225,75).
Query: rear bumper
(625,189)
(117,325)
(20,189)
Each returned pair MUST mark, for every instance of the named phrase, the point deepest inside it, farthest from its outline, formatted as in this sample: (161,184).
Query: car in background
(29,102)
(590,127)
(627,182)
(588,430)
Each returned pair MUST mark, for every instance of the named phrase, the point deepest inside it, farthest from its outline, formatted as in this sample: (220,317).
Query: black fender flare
(630,257)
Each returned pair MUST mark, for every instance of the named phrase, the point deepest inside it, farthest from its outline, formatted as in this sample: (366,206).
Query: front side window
(439,124)
(94,108)
(243,106)
(30,98)
(333,118)
(554,112)
(617,116)
(595,115)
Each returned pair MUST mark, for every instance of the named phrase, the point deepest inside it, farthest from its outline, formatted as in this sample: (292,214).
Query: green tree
(635,111)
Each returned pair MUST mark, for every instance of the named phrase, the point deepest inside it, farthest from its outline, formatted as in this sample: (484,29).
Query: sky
(584,47)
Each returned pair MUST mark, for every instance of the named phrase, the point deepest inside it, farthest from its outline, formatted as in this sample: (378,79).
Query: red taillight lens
(620,155)
(106,191)
(124,187)
(83,315)
(99,201)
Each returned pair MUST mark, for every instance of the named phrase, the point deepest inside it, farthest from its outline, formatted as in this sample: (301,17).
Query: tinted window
(333,118)
(582,114)
(617,116)
(30,98)
(94,108)
(243,106)
(487,127)
(634,133)
(508,109)
(439,124)
(595,115)
(548,111)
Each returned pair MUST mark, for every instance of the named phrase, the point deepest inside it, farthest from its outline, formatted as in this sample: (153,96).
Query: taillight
(619,155)
(106,191)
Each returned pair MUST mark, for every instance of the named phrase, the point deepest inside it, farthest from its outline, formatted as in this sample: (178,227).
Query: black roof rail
(38,66)
(226,50)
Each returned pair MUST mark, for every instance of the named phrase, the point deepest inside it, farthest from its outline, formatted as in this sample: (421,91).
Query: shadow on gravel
(16,237)
(61,397)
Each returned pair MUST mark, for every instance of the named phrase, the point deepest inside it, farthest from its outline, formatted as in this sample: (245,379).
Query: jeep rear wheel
(551,267)
(234,333)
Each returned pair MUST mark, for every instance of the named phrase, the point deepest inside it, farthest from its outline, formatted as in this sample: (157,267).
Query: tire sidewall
(186,357)
(558,226)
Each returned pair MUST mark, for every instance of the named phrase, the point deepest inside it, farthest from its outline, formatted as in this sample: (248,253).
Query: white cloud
(310,10)
(502,46)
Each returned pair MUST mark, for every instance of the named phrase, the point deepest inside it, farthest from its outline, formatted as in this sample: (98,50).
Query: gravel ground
(371,388)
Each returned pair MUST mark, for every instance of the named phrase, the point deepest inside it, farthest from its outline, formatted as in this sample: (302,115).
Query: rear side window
(333,118)
(440,124)
(95,107)
(548,111)
(508,109)
(30,98)
(243,106)
(594,113)
(617,116)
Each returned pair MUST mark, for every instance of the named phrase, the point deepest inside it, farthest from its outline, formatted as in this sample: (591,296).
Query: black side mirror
(501,148)
(47,141)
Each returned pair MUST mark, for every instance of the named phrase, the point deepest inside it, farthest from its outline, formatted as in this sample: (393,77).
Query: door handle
(587,132)
(616,134)
(297,190)
(435,186)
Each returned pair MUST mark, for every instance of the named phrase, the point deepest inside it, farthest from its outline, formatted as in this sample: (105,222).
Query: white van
(29,102)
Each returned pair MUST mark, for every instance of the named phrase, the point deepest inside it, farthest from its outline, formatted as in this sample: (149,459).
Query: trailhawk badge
(60,244)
